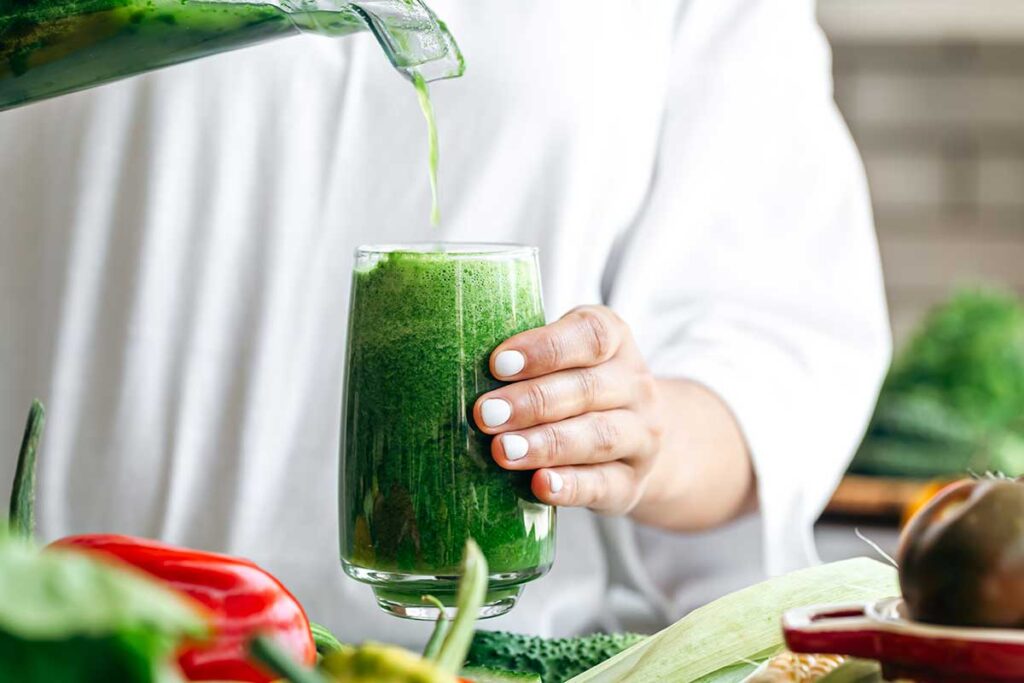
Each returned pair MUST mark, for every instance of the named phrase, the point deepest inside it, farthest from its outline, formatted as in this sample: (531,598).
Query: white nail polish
(555,481)
(509,363)
(516,447)
(495,412)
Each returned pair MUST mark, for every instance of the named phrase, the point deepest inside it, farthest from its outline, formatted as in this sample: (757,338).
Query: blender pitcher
(52,47)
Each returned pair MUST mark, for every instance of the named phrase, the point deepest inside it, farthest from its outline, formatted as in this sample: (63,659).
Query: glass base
(402,594)
(402,605)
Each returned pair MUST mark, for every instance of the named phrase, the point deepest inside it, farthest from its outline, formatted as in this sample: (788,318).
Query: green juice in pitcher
(52,47)
(417,477)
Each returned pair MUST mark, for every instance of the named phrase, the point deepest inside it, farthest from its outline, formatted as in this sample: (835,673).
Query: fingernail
(495,412)
(515,446)
(555,482)
(509,363)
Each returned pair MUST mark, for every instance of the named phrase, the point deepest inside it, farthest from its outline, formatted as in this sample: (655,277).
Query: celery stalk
(709,643)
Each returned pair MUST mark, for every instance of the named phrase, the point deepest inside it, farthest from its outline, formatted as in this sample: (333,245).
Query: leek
(717,642)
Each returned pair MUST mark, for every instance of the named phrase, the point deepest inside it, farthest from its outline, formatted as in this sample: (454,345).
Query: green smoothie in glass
(417,477)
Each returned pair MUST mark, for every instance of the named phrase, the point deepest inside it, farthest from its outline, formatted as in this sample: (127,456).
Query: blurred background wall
(933,91)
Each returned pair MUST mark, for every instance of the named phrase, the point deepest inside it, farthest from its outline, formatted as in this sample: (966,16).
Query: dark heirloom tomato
(962,556)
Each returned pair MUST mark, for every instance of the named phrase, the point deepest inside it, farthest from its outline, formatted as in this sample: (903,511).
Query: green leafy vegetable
(67,617)
(742,627)
(554,659)
(971,352)
(954,398)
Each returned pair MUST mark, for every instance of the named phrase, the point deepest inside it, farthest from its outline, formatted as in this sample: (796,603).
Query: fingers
(583,338)
(574,411)
(587,439)
(610,488)
(556,397)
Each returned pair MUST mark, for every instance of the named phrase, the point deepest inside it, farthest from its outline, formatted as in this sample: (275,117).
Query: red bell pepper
(243,600)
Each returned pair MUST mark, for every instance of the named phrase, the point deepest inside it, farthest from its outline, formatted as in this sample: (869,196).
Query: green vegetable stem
(23,494)
(469,600)
(440,629)
(443,658)
(325,641)
(267,652)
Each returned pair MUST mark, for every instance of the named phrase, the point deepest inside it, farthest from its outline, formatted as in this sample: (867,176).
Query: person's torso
(180,246)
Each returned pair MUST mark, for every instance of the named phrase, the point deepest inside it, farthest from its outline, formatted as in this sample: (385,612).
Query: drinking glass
(417,478)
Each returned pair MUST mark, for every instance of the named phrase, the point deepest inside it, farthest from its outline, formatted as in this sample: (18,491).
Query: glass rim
(451,249)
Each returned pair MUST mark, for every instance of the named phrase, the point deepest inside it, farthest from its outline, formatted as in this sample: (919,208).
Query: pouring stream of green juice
(427,106)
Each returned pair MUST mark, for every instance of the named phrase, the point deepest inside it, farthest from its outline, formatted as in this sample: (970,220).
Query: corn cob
(793,668)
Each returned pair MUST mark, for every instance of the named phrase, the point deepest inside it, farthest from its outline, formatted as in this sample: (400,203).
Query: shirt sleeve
(753,268)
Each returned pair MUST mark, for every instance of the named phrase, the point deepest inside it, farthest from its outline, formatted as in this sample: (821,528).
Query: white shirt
(176,251)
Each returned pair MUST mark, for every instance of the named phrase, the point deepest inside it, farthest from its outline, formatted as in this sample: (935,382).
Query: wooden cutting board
(875,497)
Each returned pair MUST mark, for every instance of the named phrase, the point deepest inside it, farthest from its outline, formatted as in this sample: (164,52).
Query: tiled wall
(941,129)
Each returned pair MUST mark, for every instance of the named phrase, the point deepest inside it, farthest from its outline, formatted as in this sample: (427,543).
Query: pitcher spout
(414,39)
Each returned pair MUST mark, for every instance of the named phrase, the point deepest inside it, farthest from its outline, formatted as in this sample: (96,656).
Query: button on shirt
(176,253)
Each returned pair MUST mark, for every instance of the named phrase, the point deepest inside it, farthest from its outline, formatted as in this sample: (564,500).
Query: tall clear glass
(417,477)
